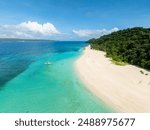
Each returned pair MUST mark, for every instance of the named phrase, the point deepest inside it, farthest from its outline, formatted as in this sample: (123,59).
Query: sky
(70,19)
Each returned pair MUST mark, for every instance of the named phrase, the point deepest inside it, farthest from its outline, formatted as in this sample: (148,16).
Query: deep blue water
(16,56)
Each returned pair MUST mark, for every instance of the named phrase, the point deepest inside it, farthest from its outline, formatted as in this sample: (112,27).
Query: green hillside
(130,45)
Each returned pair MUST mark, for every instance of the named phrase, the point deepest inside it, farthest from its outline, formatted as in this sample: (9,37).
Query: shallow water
(28,85)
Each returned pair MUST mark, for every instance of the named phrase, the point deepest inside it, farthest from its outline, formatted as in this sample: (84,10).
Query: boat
(48,63)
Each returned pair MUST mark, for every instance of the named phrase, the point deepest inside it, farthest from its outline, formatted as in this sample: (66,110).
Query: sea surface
(27,84)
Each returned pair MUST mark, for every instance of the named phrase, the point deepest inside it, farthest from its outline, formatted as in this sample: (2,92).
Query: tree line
(130,45)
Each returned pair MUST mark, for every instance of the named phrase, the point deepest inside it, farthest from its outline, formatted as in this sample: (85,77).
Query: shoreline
(124,88)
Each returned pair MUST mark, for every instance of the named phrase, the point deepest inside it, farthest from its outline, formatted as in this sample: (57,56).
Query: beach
(124,88)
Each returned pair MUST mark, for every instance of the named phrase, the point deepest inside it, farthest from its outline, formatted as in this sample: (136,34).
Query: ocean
(39,77)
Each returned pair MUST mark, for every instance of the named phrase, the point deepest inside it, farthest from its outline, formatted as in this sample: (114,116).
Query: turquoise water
(47,88)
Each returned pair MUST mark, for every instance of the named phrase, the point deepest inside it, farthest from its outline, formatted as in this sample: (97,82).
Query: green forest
(130,45)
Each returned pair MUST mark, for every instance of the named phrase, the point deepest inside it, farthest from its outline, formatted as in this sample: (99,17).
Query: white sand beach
(124,88)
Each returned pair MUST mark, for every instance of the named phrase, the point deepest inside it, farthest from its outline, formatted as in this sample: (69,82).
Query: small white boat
(48,63)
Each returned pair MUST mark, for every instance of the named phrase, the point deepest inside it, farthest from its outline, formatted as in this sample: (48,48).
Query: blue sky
(70,19)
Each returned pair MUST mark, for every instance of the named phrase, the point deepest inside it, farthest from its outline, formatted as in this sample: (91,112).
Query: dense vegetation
(130,45)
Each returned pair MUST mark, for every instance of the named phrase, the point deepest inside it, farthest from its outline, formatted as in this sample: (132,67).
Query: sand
(124,88)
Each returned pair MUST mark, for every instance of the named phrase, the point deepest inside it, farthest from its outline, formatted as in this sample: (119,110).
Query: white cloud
(28,30)
(93,33)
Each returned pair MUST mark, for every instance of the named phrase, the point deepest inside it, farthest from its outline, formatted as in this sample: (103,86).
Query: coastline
(124,88)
